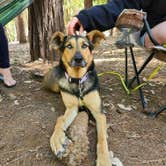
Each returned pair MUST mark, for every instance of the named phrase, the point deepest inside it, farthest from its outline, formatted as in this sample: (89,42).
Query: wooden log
(77,152)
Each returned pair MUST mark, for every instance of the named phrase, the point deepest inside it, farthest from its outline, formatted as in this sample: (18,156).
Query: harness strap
(77,80)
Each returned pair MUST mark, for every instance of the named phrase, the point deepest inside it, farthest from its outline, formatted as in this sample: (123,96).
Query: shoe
(5,84)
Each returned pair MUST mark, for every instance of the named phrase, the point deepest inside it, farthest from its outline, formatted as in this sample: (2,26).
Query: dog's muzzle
(78,60)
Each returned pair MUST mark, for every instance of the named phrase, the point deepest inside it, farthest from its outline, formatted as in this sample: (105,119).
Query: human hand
(74,25)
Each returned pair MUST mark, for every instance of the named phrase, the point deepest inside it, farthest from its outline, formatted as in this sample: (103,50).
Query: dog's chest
(79,90)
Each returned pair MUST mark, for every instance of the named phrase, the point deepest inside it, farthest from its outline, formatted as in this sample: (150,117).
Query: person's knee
(158,33)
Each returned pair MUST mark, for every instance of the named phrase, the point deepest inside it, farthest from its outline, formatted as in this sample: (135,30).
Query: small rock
(111,89)
(133,135)
(150,84)
(43,127)
(123,101)
(134,107)
(126,108)
(12,96)
(115,160)
(39,156)
(153,92)
(52,109)
(106,104)
(16,102)
(22,134)
(144,79)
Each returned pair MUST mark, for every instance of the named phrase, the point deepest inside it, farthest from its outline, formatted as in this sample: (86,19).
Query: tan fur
(58,137)
(93,102)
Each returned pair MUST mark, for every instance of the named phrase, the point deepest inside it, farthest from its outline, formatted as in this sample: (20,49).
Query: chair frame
(128,46)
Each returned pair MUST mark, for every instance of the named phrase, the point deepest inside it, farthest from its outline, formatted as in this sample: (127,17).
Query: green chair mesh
(9,9)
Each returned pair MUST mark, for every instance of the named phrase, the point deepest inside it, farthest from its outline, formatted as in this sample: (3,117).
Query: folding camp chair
(130,22)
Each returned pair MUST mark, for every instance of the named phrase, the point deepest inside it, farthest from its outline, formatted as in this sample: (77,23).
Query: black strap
(149,32)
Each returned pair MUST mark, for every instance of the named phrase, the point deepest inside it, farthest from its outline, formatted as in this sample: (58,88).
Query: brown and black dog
(76,79)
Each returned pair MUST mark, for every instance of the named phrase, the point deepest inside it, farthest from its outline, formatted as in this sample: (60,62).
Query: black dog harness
(78,81)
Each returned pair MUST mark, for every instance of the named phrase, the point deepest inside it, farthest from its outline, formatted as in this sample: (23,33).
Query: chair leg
(126,66)
(144,104)
(161,109)
(155,114)
(150,57)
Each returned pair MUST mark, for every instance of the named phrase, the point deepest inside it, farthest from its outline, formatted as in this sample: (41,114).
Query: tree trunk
(45,17)
(88,4)
(20,28)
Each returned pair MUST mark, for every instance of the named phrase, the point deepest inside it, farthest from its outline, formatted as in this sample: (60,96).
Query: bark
(77,153)
(20,28)
(45,18)
(88,4)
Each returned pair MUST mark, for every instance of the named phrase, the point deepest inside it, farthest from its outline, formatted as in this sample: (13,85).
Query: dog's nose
(78,57)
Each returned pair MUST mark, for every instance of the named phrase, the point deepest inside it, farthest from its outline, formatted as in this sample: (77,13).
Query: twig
(25,154)
(154,160)
(16,159)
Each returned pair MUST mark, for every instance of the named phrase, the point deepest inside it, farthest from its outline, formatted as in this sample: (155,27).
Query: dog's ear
(57,40)
(95,37)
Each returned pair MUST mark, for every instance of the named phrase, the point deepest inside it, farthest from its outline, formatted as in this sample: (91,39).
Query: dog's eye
(84,45)
(69,46)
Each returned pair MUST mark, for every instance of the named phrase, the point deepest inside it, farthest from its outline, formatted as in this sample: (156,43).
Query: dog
(76,79)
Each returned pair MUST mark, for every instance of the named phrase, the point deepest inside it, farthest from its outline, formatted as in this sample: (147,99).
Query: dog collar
(77,80)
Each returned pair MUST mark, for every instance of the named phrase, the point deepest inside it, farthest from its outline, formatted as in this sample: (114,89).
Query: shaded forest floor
(28,113)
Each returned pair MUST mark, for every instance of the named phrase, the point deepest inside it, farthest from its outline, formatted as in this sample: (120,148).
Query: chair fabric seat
(9,9)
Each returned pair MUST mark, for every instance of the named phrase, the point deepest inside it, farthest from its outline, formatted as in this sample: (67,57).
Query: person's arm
(103,17)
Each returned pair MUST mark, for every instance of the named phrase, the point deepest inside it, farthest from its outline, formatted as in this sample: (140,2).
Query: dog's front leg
(58,140)
(93,102)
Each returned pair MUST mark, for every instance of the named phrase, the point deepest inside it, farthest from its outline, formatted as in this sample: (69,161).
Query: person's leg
(159,33)
(4,60)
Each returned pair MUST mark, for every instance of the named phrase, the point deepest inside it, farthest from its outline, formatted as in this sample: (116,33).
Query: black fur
(72,87)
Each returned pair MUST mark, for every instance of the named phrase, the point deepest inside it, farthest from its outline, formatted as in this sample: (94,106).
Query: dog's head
(76,50)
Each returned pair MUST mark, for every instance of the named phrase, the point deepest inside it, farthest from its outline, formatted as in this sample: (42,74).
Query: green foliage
(72,7)
(11,31)
(11,27)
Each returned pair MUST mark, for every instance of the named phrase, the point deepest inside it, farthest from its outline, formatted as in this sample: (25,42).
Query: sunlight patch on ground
(108,60)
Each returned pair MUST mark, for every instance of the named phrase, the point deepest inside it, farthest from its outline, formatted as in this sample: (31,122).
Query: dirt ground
(28,113)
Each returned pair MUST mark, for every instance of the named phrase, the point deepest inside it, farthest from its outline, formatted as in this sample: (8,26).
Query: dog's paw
(103,160)
(59,143)
(115,160)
